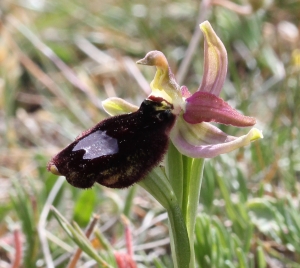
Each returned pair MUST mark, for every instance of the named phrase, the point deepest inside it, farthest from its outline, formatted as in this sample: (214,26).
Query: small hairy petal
(206,107)
(116,106)
(215,61)
(206,141)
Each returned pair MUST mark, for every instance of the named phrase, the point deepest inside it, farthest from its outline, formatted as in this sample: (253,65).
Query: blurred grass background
(60,59)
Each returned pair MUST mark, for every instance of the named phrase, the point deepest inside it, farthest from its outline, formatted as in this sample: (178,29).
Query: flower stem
(159,187)
(174,171)
(187,165)
(194,187)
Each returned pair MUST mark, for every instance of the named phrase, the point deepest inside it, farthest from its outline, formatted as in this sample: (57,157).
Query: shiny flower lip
(120,150)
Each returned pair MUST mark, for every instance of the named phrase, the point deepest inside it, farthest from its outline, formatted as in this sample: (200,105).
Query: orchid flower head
(192,134)
(121,150)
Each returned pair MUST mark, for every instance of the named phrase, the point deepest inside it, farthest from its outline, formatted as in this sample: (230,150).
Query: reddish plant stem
(128,237)
(18,248)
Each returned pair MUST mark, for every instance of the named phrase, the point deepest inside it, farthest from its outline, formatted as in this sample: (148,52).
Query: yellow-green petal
(116,106)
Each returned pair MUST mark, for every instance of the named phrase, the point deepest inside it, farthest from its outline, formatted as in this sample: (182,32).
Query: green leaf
(208,187)
(27,213)
(263,215)
(241,258)
(234,214)
(103,241)
(128,201)
(158,264)
(84,207)
(80,239)
(243,190)
(261,261)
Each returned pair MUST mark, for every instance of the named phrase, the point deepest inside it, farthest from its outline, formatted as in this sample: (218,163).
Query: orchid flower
(191,134)
(126,148)
(105,153)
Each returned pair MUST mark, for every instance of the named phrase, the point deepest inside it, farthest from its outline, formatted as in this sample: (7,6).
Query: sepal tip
(256,134)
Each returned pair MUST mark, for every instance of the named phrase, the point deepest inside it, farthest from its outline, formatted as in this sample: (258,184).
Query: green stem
(128,202)
(194,187)
(174,171)
(159,187)
(187,165)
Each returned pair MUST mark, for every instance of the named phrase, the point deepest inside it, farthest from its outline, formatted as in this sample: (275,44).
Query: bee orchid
(192,135)
(121,150)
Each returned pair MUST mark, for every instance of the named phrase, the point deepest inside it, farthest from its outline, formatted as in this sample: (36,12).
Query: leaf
(263,215)
(84,207)
(80,239)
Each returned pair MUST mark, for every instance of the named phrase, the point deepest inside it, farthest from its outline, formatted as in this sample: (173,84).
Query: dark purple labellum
(118,151)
